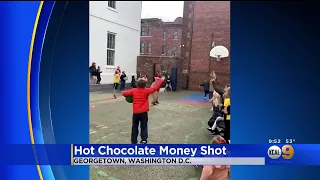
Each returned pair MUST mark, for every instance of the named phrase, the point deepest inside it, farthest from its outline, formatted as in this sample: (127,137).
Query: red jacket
(141,97)
(158,75)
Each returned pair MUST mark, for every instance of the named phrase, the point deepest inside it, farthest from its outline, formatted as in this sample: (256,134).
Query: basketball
(129,99)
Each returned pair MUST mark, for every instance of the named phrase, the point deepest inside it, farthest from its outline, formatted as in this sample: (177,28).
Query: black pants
(98,77)
(206,93)
(210,94)
(227,130)
(122,85)
(141,118)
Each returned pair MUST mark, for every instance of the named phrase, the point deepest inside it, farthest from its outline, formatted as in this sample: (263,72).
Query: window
(149,47)
(164,35)
(145,31)
(111,44)
(142,47)
(164,50)
(175,35)
(112,4)
(149,31)
(174,53)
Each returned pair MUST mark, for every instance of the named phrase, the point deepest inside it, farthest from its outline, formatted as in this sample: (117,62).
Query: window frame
(142,46)
(110,3)
(149,31)
(111,48)
(175,34)
(164,35)
(164,50)
(149,47)
(145,31)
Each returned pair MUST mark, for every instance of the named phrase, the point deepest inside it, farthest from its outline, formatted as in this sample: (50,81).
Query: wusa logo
(275,152)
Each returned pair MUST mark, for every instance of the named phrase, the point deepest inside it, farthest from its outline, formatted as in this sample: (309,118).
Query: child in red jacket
(140,108)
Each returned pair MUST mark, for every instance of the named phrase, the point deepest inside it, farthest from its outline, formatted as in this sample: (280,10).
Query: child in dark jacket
(133,82)
(140,108)
(206,85)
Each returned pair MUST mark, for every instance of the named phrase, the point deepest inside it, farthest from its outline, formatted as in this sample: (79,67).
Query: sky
(165,10)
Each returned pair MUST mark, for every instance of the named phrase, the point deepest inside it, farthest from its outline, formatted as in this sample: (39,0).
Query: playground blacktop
(181,117)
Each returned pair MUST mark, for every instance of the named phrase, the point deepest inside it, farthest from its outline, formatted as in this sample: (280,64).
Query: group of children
(221,111)
(219,123)
(121,78)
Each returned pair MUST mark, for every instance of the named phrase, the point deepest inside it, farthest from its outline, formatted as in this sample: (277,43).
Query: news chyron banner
(173,154)
(161,154)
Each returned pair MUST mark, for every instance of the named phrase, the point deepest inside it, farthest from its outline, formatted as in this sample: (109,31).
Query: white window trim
(112,9)
(114,58)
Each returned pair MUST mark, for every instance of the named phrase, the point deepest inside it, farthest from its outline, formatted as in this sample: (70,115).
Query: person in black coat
(93,72)
(133,82)
(98,75)
(123,79)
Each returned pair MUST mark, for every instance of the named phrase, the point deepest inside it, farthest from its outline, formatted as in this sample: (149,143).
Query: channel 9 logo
(287,152)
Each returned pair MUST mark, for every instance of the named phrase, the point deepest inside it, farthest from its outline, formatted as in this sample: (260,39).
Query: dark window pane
(111,41)
(110,57)
(112,4)
(164,50)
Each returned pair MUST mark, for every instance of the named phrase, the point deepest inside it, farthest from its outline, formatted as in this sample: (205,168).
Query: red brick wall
(178,20)
(157,41)
(204,22)
(186,41)
(145,66)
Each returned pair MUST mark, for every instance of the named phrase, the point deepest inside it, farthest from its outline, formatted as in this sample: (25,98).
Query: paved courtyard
(170,122)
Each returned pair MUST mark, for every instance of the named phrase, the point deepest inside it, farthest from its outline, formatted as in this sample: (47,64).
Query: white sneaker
(211,109)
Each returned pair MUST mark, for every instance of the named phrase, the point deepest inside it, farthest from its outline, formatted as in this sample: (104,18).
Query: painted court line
(92,132)
(102,173)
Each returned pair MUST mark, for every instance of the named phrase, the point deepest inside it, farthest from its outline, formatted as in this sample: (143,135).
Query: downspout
(190,50)
(209,53)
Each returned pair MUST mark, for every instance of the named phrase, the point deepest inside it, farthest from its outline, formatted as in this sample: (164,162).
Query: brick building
(160,38)
(205,23)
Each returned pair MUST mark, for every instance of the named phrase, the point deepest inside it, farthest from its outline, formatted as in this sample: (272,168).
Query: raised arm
(156,86)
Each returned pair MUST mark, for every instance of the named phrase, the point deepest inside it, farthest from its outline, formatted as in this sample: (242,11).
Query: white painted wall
(124,21)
